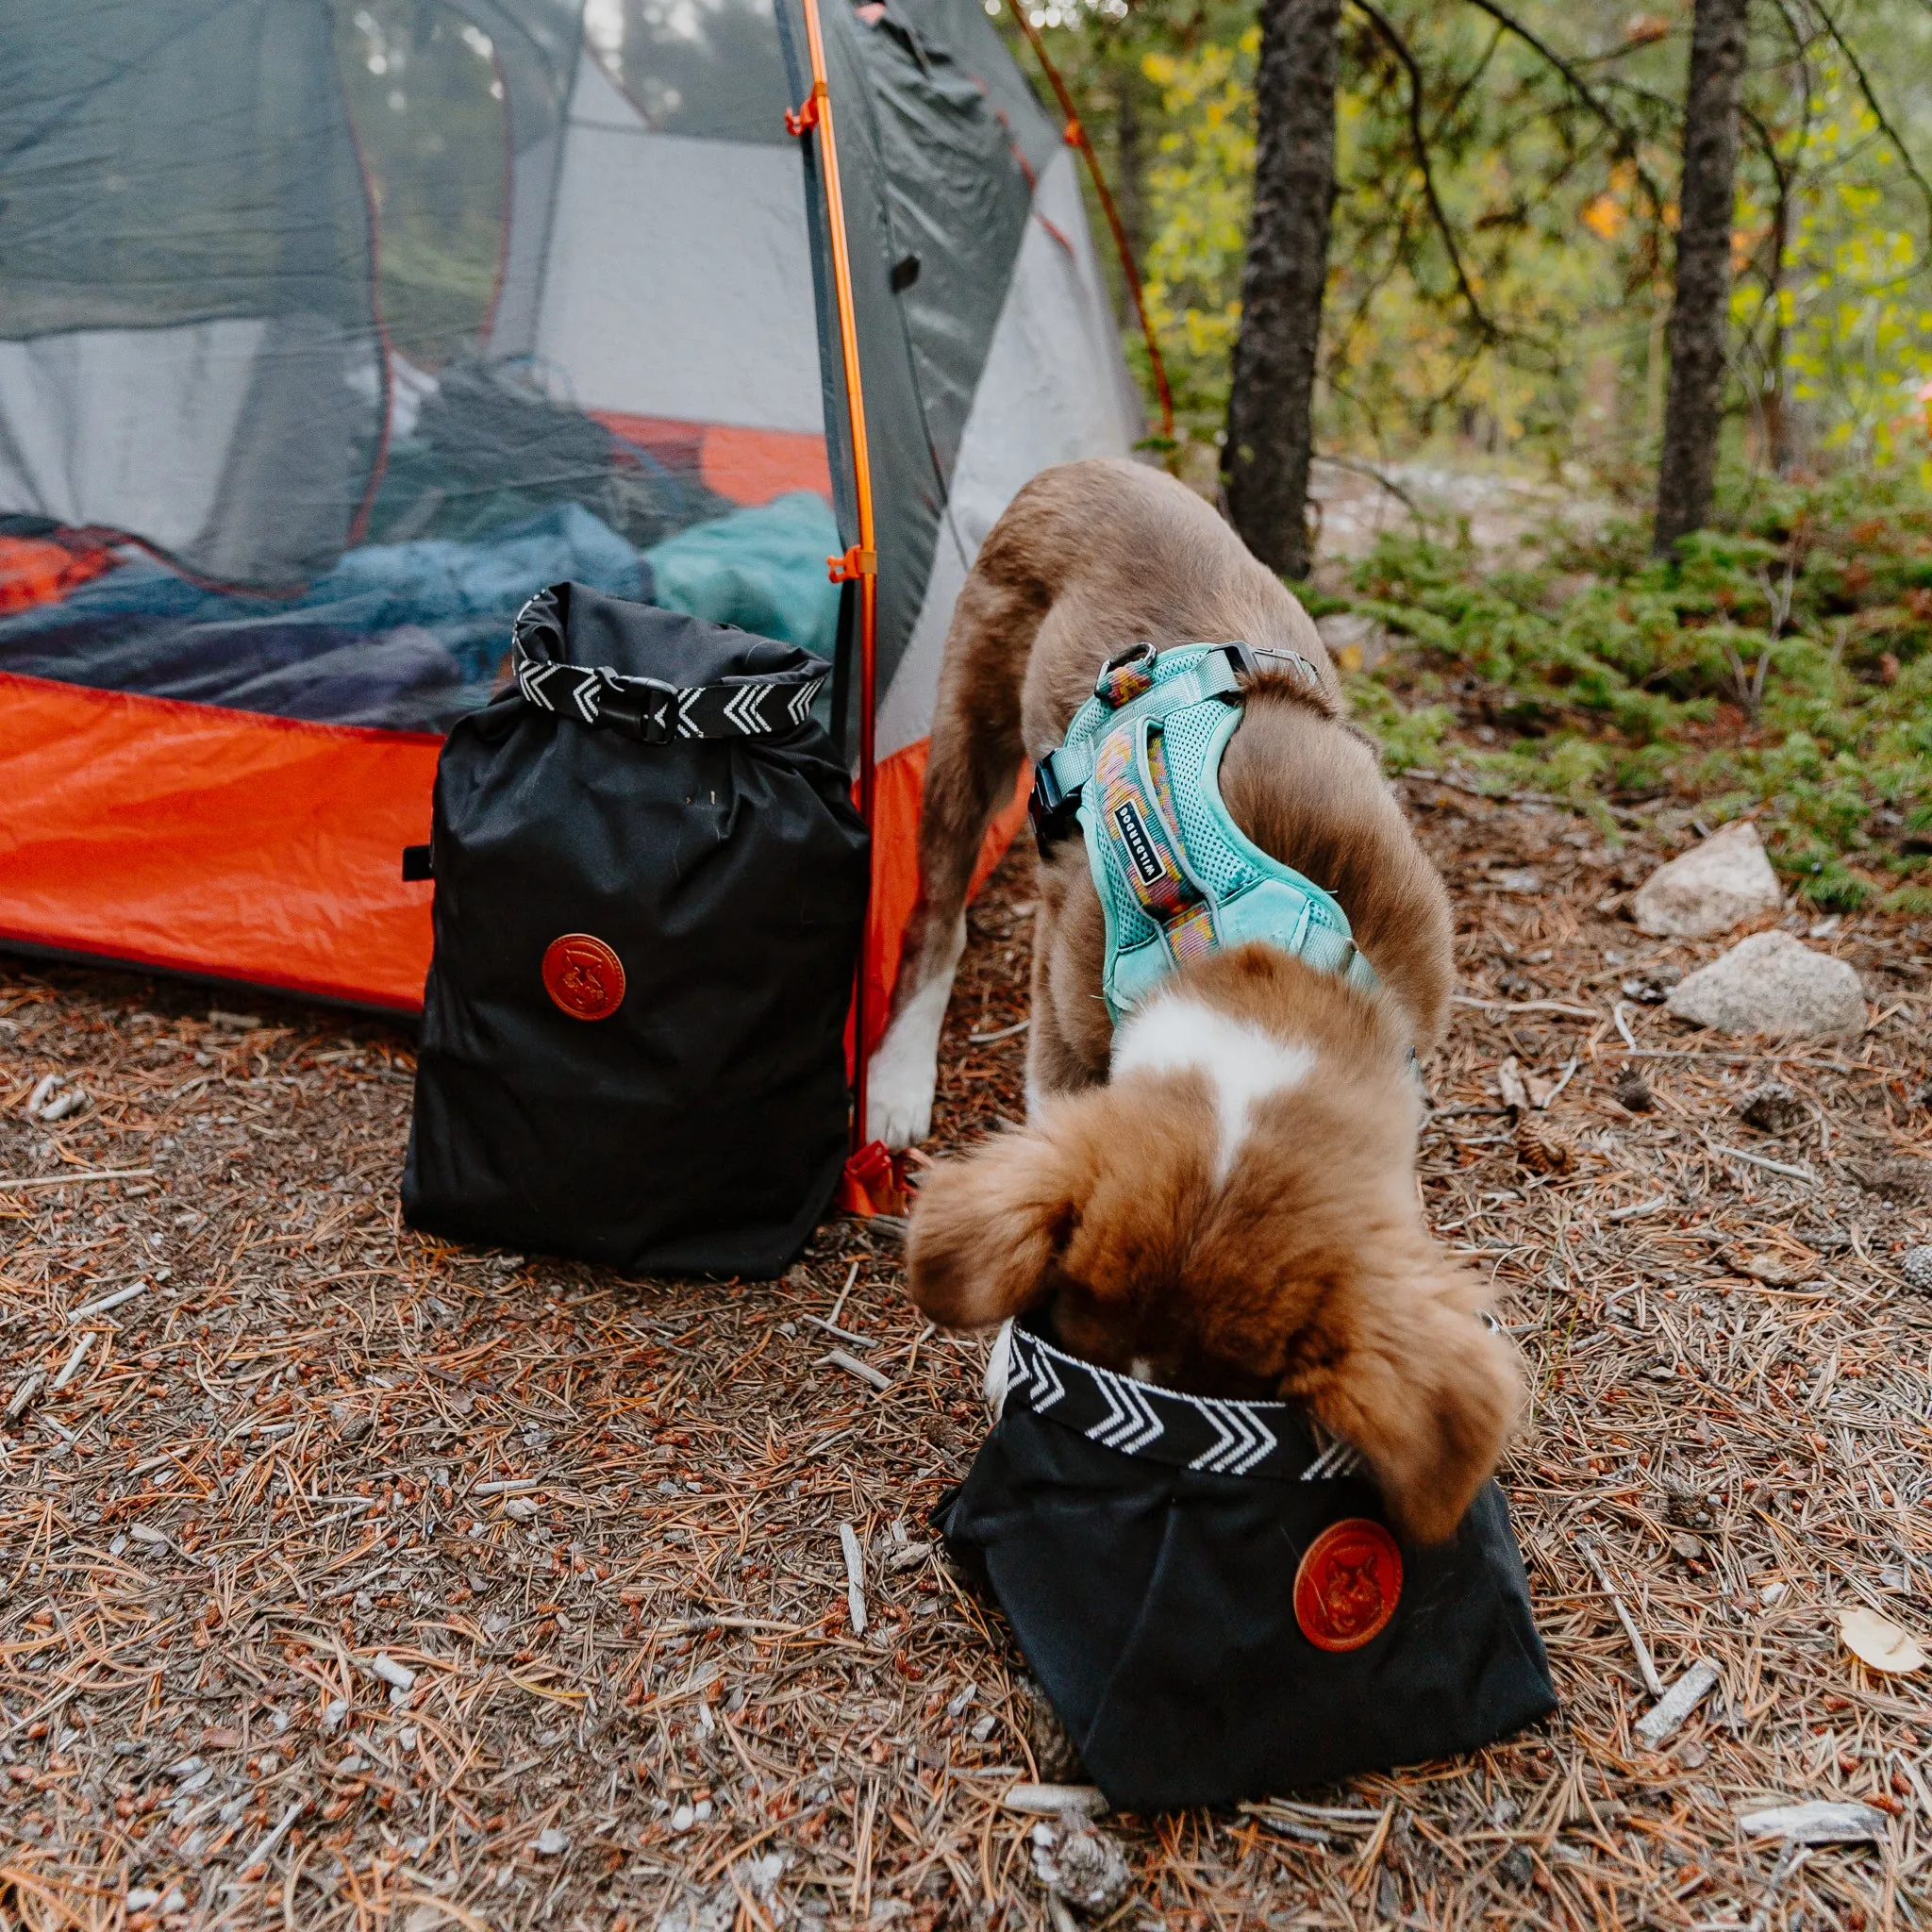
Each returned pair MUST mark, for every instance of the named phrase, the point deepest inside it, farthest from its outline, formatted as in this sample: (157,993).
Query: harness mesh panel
(1216,864)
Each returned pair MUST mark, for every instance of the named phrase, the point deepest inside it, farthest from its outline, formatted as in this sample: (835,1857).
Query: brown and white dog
(1219,1197)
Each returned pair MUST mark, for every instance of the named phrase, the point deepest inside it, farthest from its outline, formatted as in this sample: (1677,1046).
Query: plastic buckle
(1247,666)
(1053,809)
(640,708)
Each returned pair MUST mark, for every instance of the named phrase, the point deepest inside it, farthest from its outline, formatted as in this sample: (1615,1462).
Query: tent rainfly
(331,329)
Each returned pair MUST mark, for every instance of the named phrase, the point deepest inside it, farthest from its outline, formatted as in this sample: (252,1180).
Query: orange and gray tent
(331,329)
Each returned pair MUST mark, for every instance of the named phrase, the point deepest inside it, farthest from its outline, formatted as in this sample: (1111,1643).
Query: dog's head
(1235,1214)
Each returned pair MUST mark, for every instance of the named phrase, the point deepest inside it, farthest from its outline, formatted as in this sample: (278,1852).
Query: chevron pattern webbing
(1263,1439)
(596,695)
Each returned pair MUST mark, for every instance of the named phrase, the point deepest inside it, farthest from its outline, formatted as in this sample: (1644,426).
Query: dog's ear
(985,1230)
(1401,1367)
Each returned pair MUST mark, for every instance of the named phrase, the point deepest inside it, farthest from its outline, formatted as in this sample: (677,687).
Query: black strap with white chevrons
(1276,1440)
(655,713)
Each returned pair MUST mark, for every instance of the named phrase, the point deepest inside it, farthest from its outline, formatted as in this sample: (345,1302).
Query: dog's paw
(899,1092)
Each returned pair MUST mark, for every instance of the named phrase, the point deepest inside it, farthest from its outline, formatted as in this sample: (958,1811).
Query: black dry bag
(650,883)
(1214,1603)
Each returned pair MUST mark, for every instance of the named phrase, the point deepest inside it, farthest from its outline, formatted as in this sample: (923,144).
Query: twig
(854,1577)
(1004,1033)
(1638,1210)
(853,1366)
(1797,1173)
(68,1180)
(843,1334)
(266,1849)
(1461,999)
(1646,1669)
(108,1300)
(838,1306)
(71,1367)
(1400,48)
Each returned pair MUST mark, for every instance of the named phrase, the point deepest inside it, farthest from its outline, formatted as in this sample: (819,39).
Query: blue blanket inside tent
(409,635)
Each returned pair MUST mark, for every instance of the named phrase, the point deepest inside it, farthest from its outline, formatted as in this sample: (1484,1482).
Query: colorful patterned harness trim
(1177,877)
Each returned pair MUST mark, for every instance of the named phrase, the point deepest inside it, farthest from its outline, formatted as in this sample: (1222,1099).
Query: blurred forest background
(1491,381)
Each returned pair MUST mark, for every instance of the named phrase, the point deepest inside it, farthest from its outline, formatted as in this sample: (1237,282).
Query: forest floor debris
(353,1580)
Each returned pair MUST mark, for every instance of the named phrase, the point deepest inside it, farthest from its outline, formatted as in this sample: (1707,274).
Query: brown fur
(1306,1273)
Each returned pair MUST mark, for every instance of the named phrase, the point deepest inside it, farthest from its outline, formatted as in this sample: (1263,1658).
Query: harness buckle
(1247,666)
(1054,810)
(640,708)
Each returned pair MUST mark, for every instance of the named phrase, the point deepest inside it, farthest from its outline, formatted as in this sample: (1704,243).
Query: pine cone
(1052,1750)
(1541,1148)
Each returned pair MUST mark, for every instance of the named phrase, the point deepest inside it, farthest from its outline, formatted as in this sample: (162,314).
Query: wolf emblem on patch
(1348,1585)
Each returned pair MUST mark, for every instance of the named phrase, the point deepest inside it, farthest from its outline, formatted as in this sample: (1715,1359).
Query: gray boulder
(1769,983)
(1709,888)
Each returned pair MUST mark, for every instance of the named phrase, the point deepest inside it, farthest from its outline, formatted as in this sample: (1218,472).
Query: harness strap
(1131,774)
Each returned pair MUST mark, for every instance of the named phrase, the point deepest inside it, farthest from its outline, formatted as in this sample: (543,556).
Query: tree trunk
(1686,467)
(1264,463)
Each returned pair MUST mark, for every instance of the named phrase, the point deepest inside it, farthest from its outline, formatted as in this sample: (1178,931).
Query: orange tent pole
(861,562)
(1076,136)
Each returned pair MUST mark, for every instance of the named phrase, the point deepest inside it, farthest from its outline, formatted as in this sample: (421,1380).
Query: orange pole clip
(806,115)
(1074,134)
(855,563)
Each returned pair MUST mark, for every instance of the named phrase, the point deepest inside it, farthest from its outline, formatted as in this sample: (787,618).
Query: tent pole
(861,562)
(1074,135)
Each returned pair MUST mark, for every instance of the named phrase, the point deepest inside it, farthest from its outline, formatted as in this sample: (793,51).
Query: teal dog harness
(1177,877)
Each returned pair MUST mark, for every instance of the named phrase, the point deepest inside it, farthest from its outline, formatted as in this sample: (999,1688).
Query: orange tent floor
(268,852)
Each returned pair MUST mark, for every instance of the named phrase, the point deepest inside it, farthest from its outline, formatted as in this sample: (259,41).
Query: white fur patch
(904,1070)
(999,1369)
(1243,1064)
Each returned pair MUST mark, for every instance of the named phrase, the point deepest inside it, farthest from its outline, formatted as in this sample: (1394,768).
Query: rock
(1917,1267)
(352,1424)
(1819,1823)
(1771,983)
(1771,1108)
(1711,887)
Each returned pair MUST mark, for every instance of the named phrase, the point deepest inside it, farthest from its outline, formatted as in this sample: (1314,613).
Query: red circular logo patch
(1346,1588)
(584,976)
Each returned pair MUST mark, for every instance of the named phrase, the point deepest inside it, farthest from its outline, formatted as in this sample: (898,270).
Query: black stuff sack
(1214,1604)
(650,885)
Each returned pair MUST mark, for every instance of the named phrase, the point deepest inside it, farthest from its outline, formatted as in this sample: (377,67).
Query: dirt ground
(356,1581)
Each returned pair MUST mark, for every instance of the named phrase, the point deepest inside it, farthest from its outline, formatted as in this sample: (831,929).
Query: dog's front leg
(906,1068)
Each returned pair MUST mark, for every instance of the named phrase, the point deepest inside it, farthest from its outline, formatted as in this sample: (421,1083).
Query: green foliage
(1596,674)
(1536,325)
